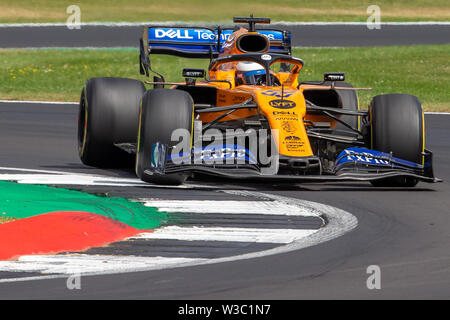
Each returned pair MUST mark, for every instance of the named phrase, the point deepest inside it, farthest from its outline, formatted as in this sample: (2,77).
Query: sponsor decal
(277,93)
(288,126)
(285,115)
(282,104)
(220,153)
(173,34)
(272,35)
(216,154)
(286,119)
(225,99)
(331,76)
(293,138)
(199,39)
(201,35)
(372,157)
(293,143)
(222,98)
(194,74)
(237,99)
(364,156)
(266,57)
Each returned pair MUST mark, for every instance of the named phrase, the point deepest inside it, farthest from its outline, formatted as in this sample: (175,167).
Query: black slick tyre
(108,115)
(397,127)
(162,112)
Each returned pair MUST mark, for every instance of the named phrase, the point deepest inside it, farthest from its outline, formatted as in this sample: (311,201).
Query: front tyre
(397,126)
(162,112)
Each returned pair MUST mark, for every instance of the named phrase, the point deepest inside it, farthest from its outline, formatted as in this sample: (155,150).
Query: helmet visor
(256,77)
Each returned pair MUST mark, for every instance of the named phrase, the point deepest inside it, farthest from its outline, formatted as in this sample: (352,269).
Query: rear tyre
(345,99)
(162,112)
(349,101)
(397,126)
(108,114)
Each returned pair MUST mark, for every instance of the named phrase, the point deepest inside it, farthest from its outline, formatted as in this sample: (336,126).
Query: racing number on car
(278,93)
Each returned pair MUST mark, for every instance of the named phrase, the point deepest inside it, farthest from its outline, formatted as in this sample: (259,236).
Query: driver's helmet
(250,73)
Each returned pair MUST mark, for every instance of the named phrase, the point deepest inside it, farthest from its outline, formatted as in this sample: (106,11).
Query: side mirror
(333,76)
(193,73)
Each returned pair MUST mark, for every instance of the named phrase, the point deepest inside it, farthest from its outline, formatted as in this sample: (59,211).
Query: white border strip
(228,207)
(226,234)
(47,177)
(339,223)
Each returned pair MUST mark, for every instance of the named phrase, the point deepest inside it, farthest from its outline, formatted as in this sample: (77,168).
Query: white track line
(209,23)
(90,180)
(37,176)
(33,170)
(71,179)
(74,264)
(253,235)
(229,207)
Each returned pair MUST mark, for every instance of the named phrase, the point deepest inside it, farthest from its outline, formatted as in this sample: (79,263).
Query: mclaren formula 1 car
(249,116)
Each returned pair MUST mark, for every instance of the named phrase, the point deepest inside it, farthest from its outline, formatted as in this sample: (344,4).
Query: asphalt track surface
(306,35)
(404,232)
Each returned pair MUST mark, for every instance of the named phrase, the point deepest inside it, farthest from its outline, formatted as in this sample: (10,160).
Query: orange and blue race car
(248,117)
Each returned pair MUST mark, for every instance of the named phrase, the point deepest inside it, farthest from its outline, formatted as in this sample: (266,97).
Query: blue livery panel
(215,154)
(374,158)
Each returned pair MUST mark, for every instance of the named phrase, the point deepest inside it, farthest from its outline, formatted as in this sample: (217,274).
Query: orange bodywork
(283,106)
(284,109)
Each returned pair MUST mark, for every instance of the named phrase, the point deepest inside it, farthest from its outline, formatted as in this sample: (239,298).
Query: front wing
(353,164)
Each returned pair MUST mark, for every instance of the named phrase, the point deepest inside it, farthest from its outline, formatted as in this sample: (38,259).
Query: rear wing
(199,42)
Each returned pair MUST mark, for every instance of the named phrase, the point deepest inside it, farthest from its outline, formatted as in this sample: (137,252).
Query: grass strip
(59,75)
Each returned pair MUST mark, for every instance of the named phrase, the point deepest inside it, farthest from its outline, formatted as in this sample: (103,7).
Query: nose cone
(285,110)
